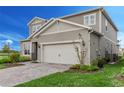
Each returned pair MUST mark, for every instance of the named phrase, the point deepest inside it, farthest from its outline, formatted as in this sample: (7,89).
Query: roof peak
(36,17)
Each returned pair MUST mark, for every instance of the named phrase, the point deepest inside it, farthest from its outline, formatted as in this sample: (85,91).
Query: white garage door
(60,53)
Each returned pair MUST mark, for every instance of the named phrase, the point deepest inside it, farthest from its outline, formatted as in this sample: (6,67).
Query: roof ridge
(80,12)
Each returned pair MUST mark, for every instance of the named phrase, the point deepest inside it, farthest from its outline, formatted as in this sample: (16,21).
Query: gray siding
(94,46)
(109,42)
(111,33)
(80,19)
(105,44)
(57,27)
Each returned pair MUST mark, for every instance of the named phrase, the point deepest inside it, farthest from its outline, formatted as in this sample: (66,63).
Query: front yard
(102,78)
(7,61)
(1,57)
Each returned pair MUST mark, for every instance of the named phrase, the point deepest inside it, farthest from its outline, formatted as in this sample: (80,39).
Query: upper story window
(90,19)
(106,25)
(35,27)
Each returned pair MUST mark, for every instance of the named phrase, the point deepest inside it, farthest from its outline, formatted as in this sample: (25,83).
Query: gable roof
(61,20)
(91,10)
(109,18)
(34,19)
(82,12)
(45,24)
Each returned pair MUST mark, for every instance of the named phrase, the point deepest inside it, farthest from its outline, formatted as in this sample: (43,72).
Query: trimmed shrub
(107,59)
(75,66)
(88,68)
(99,62)
(120,57)
(24,58)
(95,62)
(15,57)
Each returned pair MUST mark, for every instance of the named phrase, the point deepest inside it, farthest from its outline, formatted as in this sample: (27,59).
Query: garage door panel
(60,53)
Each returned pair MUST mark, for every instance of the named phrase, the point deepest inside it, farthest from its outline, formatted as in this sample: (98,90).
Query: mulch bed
(35,62)
(8,65)
(80,71)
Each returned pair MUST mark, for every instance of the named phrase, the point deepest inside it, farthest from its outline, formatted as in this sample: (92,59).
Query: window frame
(89,19)
(36,27)
(106,25)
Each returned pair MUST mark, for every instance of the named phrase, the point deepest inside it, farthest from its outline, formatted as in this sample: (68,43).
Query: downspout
(90,31)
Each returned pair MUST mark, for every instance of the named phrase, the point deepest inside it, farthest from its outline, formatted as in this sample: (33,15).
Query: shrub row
(24,58)
(100,61)
(84,67)
(15,57)
(5,60)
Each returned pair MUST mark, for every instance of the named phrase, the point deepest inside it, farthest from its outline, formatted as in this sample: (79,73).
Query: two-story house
(53,40)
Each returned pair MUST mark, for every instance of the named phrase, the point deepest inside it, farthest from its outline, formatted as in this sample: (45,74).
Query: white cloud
(8,41)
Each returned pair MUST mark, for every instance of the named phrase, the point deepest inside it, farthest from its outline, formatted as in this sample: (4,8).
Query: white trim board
(40,28)
(73,23)
(61,42)
(41,31)
(110,40)
(69,30)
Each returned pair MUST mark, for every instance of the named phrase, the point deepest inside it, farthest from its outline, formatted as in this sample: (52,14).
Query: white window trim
(89,19)
(85,20)
(35,28)
(94,19)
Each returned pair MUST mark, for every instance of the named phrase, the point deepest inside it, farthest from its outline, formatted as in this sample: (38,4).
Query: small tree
(15,57)
(6,48)
(81,52)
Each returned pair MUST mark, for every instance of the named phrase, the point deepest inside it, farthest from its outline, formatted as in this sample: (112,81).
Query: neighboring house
(121,52)
(53,40)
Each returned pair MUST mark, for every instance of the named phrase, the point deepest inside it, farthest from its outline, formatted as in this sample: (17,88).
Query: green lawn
(2,66)
(103,78)
(1,57)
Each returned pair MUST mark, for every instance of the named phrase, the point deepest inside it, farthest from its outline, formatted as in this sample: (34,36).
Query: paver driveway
(16,75)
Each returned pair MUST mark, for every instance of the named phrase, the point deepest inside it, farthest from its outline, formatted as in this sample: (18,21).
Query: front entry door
(34,51)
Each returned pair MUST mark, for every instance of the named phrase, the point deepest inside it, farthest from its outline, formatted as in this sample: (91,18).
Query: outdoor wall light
(38,45)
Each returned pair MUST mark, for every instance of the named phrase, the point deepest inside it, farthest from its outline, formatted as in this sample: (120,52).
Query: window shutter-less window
(92,19)
(86,20)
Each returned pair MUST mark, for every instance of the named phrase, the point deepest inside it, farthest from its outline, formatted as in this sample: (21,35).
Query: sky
(14,20)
